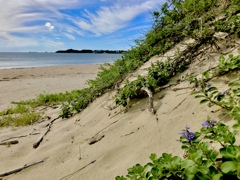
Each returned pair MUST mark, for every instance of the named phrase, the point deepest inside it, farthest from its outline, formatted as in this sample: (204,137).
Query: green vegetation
(201,161)
(227,99)
(18,116)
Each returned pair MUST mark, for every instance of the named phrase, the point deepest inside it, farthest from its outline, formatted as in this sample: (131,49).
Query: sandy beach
(27,83)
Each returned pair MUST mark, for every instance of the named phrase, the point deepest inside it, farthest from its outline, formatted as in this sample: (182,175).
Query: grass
(50,99)
(19,115)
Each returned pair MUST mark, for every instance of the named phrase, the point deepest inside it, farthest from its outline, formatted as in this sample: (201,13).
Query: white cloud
(49,26)
(69,36)
(111,18)
(22,20)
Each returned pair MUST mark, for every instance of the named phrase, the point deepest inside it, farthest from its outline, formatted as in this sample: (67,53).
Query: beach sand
(27,83)
(102,141)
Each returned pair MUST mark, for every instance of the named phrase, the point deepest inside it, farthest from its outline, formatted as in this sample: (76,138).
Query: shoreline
(46,66)
(27,83)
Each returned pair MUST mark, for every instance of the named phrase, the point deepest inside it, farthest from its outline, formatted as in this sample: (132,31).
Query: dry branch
(9,142)
(52,121)
(150,94)
(14,137)
(36,144)
(20,169)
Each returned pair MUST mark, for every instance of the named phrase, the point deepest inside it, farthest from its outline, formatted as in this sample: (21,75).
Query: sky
(50,25)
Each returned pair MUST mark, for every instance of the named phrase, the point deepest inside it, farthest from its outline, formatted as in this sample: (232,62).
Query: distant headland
(91,51)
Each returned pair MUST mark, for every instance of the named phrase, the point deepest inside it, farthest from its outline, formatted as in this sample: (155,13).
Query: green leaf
(238,175)
(153,157)
(120,178)
(230,56)
(200,96)
(194,92)
(185,147)
(212,89)
(229,166)
(217,176)
(204,101)
(203,170)
(234,83)
(191,170)
(208,163)
(187,163)
(236,126)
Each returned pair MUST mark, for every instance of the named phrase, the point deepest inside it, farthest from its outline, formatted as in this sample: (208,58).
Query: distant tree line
(91,51)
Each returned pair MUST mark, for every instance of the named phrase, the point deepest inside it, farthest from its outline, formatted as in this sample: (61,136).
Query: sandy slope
(122,139)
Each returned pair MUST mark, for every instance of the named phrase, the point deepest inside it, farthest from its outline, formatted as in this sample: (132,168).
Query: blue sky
(50,25)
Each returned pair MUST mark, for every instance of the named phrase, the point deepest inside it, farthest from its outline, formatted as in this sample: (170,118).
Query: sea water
(26,60)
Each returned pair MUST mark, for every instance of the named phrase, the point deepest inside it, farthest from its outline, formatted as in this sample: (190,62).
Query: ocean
(32,59)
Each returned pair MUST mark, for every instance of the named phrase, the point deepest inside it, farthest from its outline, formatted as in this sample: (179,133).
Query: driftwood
(20,169)
(36,144)
(150,94)
(14,137)
(8,143)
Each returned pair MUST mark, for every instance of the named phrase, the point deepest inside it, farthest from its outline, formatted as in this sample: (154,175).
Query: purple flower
(208,86)
(214,122)
(209,124)
(206,124)
(224,92)
(199,89)
(187,134)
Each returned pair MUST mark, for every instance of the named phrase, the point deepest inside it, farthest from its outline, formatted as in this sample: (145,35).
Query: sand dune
(99,143)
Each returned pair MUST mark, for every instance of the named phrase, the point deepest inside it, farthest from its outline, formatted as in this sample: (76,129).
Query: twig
(8,143)
(78,170)
(131,132)
(14,137)
(20,169)
(176,89)
(96,139)
(19,136)
(52,121)
(36,144)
